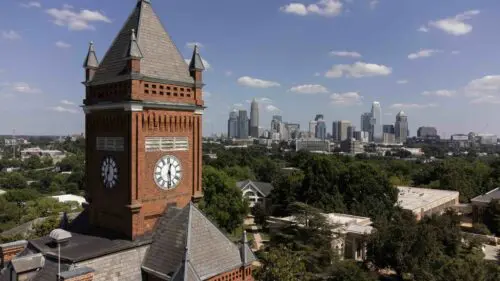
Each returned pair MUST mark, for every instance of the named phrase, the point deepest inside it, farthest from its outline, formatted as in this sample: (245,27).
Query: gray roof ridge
(255,186)
(123,26)
(216,227)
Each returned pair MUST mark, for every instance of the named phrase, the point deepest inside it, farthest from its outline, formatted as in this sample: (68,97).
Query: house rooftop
(415,199)
(486,198)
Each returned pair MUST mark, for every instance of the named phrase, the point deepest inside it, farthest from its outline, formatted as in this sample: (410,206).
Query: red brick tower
(143,121)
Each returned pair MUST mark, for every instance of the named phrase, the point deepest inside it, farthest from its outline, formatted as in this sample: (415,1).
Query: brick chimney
(9,250)
(78,274)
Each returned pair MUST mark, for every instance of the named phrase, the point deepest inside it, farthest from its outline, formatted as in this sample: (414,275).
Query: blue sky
(440,63)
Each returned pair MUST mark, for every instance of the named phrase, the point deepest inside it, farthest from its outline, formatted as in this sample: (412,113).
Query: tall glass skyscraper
(365,122)
(401,127)
(376,130)
(232,125)
(254,119)
(243,123)
(320,127)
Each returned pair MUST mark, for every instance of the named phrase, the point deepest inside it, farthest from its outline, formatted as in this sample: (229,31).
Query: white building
(349,233)
(256,192)
(37,151)
(312,145)
(424,202)
(66,198)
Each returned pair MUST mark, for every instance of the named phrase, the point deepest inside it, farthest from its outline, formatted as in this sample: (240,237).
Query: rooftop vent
(60,236)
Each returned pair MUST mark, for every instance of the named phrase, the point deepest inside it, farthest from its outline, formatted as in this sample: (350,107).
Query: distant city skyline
(408,55)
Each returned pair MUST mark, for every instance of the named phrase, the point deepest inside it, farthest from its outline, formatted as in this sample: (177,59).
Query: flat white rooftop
(70,198)
(415,199)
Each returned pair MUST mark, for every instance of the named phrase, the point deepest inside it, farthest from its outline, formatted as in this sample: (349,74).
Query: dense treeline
(431,249)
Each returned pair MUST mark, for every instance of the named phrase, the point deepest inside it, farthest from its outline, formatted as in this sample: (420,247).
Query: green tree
(45,227)
(349,271)
(14,180)
(22,195)
(492,217)
(281,264)
(240,173)
(223,201)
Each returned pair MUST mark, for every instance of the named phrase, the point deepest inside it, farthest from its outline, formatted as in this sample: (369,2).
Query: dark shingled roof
(263,187)
(486,198)
(161,58)
(196,61)
(91,59)
(210,252)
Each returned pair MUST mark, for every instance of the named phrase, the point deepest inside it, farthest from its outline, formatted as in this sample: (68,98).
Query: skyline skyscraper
(365,122)
(254,119)
(320,132)
(401,127)
(232,125)
(243,123)
(376,122)
(335,130)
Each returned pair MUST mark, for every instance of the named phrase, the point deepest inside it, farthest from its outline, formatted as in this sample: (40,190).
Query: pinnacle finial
(196,61)
(132,36)
(91,59)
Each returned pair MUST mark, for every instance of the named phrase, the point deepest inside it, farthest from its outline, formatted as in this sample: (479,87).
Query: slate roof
(196,61)
(486,198)
(264,188)
(91,59)
(209,251)
(28,263)
(161,58)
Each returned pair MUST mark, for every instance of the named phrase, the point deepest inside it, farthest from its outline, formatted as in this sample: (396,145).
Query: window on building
(167,144)
(110,143)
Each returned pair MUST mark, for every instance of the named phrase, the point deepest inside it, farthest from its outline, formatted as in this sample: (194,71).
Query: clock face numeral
(167,172)
(109,172)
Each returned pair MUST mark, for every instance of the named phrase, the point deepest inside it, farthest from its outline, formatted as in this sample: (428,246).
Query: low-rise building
(66,198)
(352,146)
(481,202)
(312,145)
(349,233)
(256,192)
(56,155)
(425,202)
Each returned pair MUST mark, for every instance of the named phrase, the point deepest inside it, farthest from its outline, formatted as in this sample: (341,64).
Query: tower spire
(196,61)
(91,63)
(133,49)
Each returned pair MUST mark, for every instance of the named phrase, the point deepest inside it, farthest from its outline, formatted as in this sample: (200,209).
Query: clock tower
(143,120)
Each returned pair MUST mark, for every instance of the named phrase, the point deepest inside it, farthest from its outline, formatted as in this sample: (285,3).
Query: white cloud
(31,4)
(485,87)
(374,3)
(440,93)
(11,35)
(264,100)
(229,73)
(424,53)
(349,98)
(272,108)
(490,99)
(206,64)
(191,45)
(256,83)
(67,102)
(64,109)
(402,82)
(423,29)
(456,25)
(455,52)
(76,20)
(327,8)
(62,45)
(309,89)
(317,74)
(412,105)
(345,54)
(358,70)
(24,88)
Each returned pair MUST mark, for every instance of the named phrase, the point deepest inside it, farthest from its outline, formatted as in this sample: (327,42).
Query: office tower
(278,117)
(388,129)
(350,132)
(243,124)
(275,124)
(293,130)
(401,127)
(427,132)
(254,119)
(365,122)
(320,127)
(312,129)
(232,125)
(343,127)
(335,131)
(376,122)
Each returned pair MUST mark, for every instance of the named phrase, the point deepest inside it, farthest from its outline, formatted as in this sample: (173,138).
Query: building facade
(254,119)
(143,122)
(243,123)
(365,122)
(376,122)
(320,130)
(232,125)
(427,132)
(401,127)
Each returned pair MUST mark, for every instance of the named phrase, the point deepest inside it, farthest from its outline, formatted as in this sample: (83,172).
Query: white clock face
(109,172)
(168,172)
